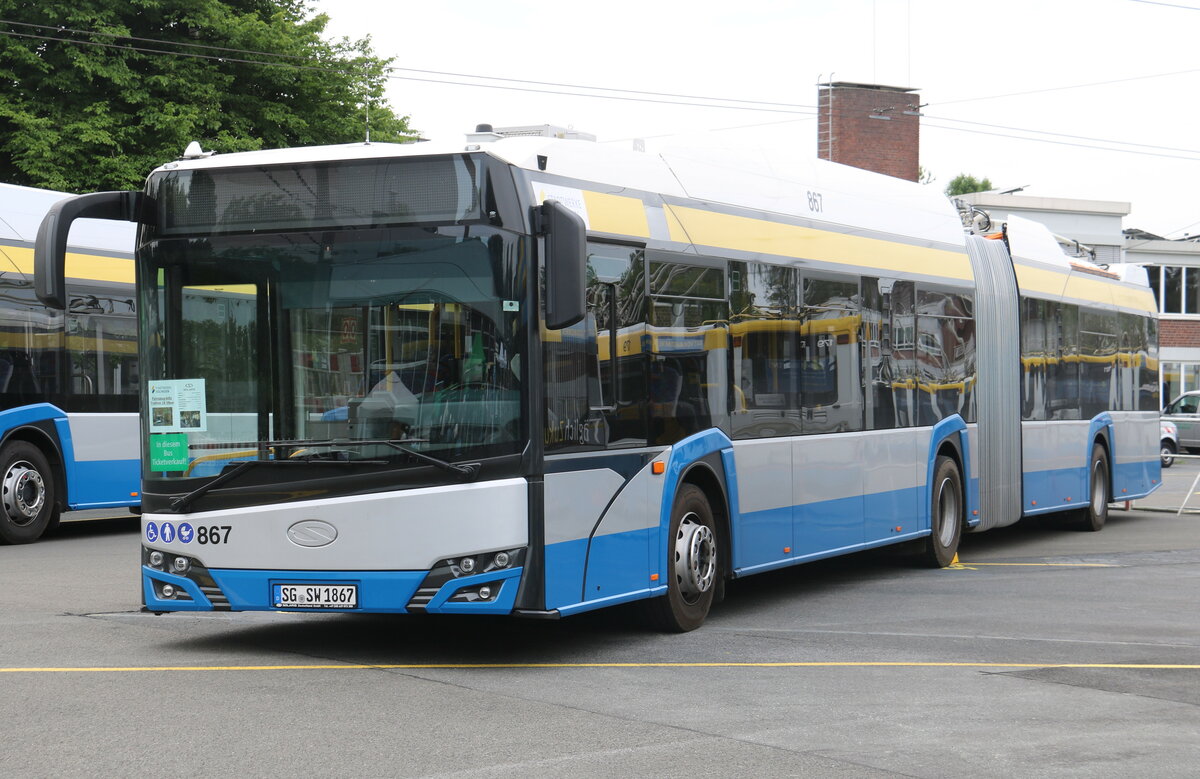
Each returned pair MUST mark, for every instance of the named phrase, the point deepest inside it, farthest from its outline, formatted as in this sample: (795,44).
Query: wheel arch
(47,442)
(1101,434)
(708,474)
(706,461)
(949,439)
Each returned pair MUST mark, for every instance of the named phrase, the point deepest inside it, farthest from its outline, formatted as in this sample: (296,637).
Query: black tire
(27,504)
(1093,517)
(1167,453)
(946,512)
(693,565)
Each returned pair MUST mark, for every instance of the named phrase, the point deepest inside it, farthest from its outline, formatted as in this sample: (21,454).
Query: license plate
(316,596)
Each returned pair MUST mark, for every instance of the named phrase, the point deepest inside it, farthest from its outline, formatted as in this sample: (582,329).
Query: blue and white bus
(68,377)
(537,376)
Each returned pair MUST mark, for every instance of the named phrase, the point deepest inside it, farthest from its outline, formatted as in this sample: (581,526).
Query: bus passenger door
(623,518)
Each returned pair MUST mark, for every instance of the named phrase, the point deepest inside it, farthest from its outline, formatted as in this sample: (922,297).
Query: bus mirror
(50,248)
(565,263)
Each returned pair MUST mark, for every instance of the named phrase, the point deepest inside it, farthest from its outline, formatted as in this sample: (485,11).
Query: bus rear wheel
(945,514)
(1095,515)
(693,565)
(26,494)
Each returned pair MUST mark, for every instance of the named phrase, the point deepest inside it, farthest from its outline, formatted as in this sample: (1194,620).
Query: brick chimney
(870,126)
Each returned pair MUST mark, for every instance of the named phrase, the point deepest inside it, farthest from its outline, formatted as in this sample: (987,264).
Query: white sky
(1136,57)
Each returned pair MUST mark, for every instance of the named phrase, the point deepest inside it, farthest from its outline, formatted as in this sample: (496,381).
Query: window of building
(1176,288)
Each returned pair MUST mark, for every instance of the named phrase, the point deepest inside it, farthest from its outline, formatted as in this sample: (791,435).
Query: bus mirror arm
(50,247)
(565,262)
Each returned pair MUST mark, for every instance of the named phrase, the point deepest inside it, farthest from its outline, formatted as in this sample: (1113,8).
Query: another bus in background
(68,379)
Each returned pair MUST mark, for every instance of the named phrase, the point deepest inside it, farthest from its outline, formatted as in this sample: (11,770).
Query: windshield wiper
(467,471)
(183,501)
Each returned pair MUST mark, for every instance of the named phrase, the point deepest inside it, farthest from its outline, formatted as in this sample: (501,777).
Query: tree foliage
(964,183)
(97,93)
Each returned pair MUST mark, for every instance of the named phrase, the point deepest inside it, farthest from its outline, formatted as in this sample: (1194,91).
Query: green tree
(964,183)
(97,93)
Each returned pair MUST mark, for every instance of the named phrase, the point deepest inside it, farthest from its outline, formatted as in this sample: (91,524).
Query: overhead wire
(629,95)
(1064,135)
(1042,90)
(1060,143)
(391,70)
(1168,5)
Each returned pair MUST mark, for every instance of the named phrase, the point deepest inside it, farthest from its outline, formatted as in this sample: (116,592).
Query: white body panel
(1052,446)
(637,507)
(574,501)
(781,472)
(764,474)
(1137,435)
(408,530)
(894,460)
(96,437)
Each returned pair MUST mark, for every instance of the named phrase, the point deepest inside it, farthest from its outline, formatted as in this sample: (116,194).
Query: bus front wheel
(945,514)
(26,493)
(693,565)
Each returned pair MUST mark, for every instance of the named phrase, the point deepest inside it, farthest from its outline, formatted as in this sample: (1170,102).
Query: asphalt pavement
(1044,651)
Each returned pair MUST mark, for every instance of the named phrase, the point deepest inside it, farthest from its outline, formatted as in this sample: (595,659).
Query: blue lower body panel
(103,484)
(1136,480)
(1067,488)
(378,591)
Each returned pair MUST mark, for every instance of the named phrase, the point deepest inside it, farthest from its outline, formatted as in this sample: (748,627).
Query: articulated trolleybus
(68,377)
(537,376)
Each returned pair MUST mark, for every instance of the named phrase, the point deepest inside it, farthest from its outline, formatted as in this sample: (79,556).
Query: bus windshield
(391,347)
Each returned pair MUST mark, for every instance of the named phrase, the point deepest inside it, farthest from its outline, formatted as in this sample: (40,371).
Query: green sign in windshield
(168,452)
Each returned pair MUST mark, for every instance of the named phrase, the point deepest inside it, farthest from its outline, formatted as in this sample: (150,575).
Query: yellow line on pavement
(503,666)
(1053,565)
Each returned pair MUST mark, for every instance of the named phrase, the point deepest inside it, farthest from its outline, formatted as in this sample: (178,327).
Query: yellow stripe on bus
(1078,286)
(724,231)
(79,266)
(616,214)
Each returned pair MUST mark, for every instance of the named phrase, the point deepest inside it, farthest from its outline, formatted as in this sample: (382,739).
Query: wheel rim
(1099,489)
(695,557)
(1166,455)
(24,493)
(948,510)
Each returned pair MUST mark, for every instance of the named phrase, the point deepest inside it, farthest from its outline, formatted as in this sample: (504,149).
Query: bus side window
(689,334)
(101,342)
(831,393)
(764,338)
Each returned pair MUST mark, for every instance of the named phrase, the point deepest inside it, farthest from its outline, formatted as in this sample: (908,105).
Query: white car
(1184,411)
(1170,442)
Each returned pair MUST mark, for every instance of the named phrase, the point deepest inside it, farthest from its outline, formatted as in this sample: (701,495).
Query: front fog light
(485,593)
(181,564)
(156,559)
(168,590)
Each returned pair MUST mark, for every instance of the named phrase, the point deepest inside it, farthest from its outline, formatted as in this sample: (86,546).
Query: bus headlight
(181,565)
(156,559)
